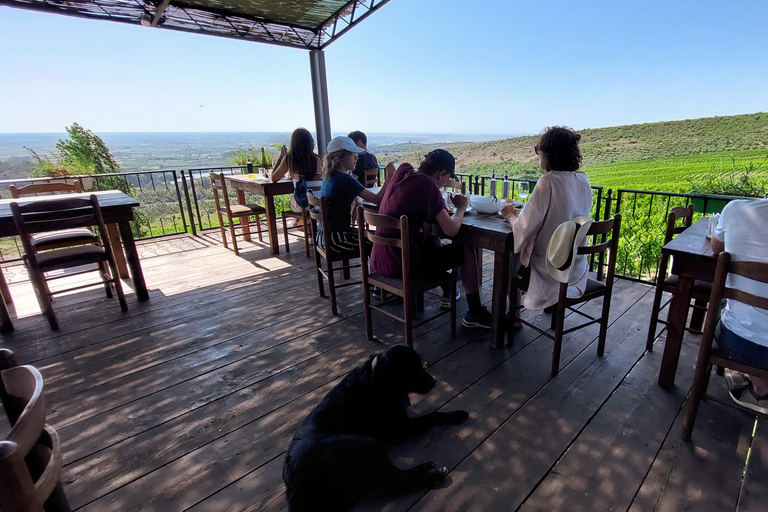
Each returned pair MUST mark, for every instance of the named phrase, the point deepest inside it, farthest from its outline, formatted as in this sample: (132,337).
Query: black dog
(337,453)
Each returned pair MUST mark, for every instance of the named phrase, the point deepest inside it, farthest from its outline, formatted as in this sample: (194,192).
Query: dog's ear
(378,364)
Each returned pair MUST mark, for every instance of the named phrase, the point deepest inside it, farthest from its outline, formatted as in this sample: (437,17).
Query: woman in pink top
(561,194)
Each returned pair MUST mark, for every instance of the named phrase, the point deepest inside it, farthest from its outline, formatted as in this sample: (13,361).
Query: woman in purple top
(416,194)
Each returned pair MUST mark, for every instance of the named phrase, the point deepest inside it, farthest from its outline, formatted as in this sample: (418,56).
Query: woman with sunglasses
(561,194)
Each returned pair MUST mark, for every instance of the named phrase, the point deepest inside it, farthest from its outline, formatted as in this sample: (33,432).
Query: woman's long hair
(560,145)
(332,162)
(301,158)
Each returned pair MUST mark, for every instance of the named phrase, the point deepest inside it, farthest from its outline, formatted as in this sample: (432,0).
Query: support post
(320,98)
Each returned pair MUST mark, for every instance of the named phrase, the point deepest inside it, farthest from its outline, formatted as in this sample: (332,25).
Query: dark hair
(560,145)
(301,158)
(438,160)
(358,136)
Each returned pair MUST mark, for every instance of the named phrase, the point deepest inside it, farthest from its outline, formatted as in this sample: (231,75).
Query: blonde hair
(332,162)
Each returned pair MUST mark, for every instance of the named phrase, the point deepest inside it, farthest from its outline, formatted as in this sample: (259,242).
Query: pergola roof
(308,24)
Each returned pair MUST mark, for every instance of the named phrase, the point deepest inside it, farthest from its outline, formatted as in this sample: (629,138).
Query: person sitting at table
(365,161)
(340,189)
(561,194)
(741,331)
(301,163)
(416,194)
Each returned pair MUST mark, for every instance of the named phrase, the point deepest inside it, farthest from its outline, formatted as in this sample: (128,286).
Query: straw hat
(565,241)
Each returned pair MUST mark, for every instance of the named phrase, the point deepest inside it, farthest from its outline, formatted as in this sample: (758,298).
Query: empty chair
(700,291)
(594,289)
(410,289)
(62,237)
(325,257)
(709,353)
(242,212)
(65,213)
(30,457)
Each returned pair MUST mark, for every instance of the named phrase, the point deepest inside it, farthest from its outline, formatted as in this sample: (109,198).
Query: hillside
(712,140)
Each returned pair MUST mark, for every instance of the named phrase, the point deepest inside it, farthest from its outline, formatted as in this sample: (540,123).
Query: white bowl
(485,204)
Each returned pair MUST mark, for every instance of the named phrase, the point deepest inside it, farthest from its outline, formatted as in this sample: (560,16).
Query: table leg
(113,233)
(246,227)
(678,313)
(499,306)
(274,243)
(132,255)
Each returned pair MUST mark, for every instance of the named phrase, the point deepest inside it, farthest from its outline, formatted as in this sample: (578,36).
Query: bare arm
(717,245)
(451,224)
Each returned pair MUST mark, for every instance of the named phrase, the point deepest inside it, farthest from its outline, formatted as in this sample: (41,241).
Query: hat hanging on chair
(565,241)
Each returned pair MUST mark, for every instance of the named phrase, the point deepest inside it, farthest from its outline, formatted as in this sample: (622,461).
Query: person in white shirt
(742,329)
(561,194)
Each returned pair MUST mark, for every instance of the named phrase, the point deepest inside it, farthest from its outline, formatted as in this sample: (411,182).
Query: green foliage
(242,155)
(737,182)
(83,153)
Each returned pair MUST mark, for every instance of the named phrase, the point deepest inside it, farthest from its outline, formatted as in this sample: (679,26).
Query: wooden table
(116,208)
(241,183)
(492,232)
(692,259)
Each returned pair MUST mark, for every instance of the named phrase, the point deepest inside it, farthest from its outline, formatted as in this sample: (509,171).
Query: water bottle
(493,185)
(505,187)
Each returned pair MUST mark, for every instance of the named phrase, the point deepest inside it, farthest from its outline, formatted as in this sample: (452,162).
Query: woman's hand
(389,170)
(283,151)
(459,201)
(509,211)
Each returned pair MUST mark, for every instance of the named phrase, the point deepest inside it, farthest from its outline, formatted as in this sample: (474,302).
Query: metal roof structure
(307,24)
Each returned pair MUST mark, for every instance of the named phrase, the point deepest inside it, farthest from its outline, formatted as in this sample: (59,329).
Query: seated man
(365,161)
(741,331)
(417,195)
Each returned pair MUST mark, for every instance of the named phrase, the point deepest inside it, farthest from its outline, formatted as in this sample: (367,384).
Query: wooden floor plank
(754,492)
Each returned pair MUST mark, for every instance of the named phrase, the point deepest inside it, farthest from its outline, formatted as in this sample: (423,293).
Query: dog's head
(400,367)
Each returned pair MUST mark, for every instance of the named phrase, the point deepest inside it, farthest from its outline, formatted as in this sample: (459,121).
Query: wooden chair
(700,291)
(65,213)
(456,187)
(410,289)
(594,289)
(30,457)
(60,238)
(709,353)
(372,178)
(241,211)
(318,212)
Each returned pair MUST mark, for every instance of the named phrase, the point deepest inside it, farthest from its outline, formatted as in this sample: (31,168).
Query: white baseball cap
(562,248)
(339,143)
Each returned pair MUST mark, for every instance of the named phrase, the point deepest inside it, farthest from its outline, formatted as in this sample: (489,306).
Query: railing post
(178,198)
(477,185)
(250,165)
(194,196)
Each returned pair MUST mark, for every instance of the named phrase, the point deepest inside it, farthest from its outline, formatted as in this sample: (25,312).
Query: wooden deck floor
(189,400)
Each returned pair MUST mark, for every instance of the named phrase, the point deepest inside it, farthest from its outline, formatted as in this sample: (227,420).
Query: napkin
(712,224)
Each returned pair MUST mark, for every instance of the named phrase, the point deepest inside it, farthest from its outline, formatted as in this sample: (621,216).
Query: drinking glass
(523,190)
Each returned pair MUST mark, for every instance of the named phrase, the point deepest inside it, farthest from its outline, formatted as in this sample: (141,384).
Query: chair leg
(657,296)
(306,239)
(318,267)
(453,307)
(420,302)
(232,232)
(699,386)
(223,232)
(285,235)
(558,318)
(106,278)
(345,271)
(118,286)
(6,325)
(604,324)
(698,314)
(332,288)
(258,228)
(367,311)
(44,298)
(408,304)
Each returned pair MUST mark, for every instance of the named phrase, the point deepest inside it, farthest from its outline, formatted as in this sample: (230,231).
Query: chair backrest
(612,226)
(57,214)
(318,212)
(31,448)
(456,186)
(754,270)
(371,177)
(218,184)
(400,237)
(45,188)
(676,214)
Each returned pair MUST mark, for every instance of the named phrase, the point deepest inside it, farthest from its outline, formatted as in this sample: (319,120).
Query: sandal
(736,381)
(747,398)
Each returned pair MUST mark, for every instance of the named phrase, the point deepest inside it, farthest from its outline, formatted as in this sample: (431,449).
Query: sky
(417,66)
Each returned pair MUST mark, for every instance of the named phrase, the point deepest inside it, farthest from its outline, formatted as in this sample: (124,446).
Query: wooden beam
(159,13)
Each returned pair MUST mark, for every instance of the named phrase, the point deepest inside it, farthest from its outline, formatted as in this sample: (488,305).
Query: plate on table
(452,209)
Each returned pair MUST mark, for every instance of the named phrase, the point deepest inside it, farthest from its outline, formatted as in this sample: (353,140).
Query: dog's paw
(456,417)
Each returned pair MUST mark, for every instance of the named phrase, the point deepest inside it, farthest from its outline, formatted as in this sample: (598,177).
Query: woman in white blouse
(561,194)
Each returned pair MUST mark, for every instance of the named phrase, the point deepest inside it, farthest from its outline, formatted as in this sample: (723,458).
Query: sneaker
(482,320)
(445,301)
(736,381)
(748,399)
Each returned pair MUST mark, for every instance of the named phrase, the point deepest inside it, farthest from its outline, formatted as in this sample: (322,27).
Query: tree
(83,153)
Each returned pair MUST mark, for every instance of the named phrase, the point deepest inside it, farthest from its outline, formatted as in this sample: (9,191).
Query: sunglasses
(536,149)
